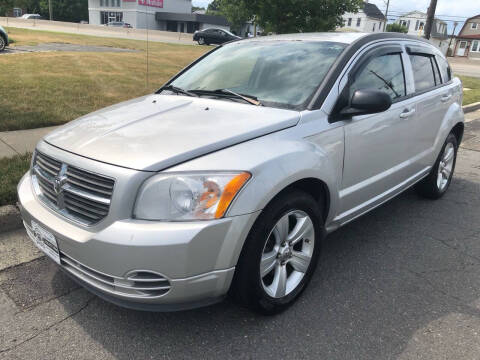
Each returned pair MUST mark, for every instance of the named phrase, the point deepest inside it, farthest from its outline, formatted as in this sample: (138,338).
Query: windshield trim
(285,106)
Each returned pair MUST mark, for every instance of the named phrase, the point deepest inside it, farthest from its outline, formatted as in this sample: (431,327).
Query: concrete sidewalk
(19,142)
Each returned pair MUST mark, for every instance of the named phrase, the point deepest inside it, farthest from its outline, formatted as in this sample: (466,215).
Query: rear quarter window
(444,69)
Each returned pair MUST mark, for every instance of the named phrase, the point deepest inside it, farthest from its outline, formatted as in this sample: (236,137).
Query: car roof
(340,37)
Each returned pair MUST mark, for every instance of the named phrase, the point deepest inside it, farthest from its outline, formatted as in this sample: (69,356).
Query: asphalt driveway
(402,282)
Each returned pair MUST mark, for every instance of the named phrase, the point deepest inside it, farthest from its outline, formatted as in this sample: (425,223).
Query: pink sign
(153,3)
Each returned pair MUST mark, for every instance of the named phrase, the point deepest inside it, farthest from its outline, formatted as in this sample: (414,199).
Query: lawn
(473,95)
(11,171)
(44,89)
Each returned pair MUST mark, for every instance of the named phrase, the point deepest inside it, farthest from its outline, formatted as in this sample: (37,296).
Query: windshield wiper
(177,90)
(247,98)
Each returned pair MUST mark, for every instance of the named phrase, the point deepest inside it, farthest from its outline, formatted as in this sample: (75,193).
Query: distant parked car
(214,36)
(3,39)
(85,22)
(32,16)
(121,24)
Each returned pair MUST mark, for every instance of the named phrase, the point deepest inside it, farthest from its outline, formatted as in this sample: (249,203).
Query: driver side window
(384,73)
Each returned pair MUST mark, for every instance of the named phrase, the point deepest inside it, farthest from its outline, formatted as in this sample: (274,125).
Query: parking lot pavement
(401,282)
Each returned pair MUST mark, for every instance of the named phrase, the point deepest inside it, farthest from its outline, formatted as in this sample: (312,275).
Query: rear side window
(424,71)
(444,69)
(383,73)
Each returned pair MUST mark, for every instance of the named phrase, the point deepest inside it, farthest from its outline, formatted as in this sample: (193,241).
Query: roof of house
(474,37)
(463,28)
(371,10)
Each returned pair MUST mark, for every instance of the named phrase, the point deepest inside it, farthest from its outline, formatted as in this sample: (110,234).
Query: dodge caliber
(227,179)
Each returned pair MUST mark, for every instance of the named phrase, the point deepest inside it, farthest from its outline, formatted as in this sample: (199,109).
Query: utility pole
(50,9)
(386,16)
(455,24)
(430,18)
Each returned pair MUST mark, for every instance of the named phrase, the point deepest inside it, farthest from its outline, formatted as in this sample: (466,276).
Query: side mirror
(366,102)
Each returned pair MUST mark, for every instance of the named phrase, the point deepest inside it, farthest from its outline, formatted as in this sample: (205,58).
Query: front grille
(77,194)
(137,284)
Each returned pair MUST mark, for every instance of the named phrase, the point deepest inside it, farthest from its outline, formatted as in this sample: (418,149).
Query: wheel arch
(458,130)
(314,187)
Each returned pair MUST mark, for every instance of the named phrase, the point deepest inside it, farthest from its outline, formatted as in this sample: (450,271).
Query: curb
(10,218)
(471,108)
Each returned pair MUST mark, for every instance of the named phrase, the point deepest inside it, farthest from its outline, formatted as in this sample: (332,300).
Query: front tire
(201,41)
(280,254)
(436,184)
(2,43)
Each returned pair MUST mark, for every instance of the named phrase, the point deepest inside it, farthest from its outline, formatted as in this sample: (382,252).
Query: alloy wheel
(2,44)
(287,254)
(445,167)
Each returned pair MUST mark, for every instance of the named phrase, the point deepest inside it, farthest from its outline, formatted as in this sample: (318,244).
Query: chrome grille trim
(77,194)
(155,287)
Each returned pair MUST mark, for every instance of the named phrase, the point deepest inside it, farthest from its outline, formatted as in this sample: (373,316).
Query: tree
(289,16)
(214,7)
(65,10)
(5,7)
(395,27)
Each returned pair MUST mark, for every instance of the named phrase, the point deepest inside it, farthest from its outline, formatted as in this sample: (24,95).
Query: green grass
(473,95)
(45,89)
(11,171)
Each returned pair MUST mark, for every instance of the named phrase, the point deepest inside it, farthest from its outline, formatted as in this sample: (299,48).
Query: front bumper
(195,261)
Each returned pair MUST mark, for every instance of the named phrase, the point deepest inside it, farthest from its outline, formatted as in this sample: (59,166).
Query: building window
(403,22)
(110,3)
(17,12)
(349,21)
(374,27)
(359,21)
(474,26)
(110,16)
(475,47)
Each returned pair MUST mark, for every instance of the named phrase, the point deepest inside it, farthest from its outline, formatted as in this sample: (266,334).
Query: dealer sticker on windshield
(45,241)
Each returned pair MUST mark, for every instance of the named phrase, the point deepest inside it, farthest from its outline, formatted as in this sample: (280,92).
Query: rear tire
(280,254)
(436,184)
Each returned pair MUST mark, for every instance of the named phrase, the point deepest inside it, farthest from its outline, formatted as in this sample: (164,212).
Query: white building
(415,23)
(167,15)
(367,19)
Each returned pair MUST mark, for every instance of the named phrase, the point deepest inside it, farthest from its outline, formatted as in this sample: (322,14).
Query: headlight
(183,197)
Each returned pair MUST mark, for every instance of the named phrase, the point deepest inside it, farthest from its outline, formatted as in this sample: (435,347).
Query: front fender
(275,161)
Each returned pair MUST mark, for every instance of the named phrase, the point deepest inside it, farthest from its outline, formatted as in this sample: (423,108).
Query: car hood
(155,132)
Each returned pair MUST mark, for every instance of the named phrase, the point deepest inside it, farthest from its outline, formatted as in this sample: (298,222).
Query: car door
(433,97)
(377,146)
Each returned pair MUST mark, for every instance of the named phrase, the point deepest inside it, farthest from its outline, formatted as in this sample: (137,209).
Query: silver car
(227,179)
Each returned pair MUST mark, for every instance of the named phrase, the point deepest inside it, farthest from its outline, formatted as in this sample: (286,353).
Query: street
(465,67)
(401,282)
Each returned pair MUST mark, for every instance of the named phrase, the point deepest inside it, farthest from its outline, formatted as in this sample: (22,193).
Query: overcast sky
(449,10)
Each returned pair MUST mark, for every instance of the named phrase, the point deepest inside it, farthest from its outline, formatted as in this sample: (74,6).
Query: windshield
(278,73)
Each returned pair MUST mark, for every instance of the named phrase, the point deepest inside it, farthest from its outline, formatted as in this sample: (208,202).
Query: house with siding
(415,22)
(468,39)
(369,19)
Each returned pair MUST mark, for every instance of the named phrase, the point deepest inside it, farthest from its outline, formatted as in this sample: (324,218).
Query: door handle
(407,113)
(446,98)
